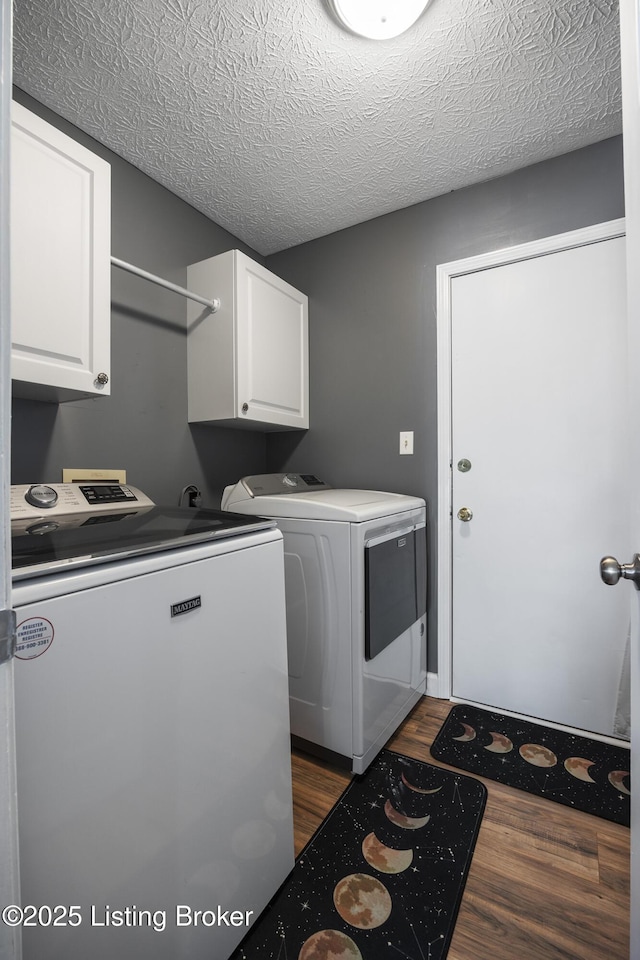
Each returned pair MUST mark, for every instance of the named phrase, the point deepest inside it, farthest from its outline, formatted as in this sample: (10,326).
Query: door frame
(630,56)
(10,937)
(445,274)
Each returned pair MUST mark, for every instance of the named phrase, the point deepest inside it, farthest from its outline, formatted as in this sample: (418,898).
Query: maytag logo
(185,606)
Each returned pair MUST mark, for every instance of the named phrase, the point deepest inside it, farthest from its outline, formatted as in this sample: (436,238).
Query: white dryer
(355,583)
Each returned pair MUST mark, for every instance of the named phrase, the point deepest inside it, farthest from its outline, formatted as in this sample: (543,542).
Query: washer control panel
(269,484)
(44,500)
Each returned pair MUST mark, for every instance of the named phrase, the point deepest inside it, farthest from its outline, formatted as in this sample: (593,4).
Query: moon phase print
(383,875)
(576,771)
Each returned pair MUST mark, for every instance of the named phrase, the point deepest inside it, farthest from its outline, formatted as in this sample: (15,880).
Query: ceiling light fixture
(378,19)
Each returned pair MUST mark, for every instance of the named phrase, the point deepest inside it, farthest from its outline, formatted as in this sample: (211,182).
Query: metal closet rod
(214,305)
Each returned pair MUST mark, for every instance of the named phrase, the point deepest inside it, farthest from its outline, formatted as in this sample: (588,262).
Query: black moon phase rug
(579,772)
(383,875)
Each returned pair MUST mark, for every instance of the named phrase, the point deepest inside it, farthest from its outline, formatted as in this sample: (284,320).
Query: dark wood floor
(546,882)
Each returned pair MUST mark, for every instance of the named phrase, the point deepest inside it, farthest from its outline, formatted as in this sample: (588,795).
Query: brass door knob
(465,514)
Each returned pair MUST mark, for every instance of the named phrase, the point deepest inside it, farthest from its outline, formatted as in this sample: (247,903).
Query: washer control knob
(40,495)
(42,527)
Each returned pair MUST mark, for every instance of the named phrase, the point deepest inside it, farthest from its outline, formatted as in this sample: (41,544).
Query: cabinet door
(60,263)
(272,348)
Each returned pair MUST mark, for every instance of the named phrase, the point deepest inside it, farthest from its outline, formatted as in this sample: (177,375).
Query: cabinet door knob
(102,378)
(245,408)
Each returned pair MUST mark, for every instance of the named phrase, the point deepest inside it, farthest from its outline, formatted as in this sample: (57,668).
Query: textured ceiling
(281,127)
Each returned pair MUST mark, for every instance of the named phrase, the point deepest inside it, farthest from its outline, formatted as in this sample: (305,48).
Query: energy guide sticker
(33,638)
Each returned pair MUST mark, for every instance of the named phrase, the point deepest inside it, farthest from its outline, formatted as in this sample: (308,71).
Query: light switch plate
(406,441)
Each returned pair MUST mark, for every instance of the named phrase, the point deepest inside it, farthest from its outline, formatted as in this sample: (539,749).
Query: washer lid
(45,545)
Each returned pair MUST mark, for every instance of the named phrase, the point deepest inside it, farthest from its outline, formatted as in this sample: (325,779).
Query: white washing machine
(152,724)
(355,583)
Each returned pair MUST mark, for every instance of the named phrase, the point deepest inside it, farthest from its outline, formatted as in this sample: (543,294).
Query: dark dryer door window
(396,588)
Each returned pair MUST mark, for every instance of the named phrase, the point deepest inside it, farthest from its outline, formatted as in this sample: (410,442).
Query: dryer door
(395,587)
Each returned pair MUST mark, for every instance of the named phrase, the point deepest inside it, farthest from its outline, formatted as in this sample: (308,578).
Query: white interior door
(538,358)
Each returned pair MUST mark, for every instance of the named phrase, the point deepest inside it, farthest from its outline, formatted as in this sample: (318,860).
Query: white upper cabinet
(60,263)
(248,363)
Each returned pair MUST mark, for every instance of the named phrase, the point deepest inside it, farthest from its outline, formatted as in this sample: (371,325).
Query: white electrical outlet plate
(406,441)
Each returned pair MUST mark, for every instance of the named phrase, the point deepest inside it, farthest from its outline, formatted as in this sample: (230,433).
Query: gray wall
(143,425)
(372,296)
